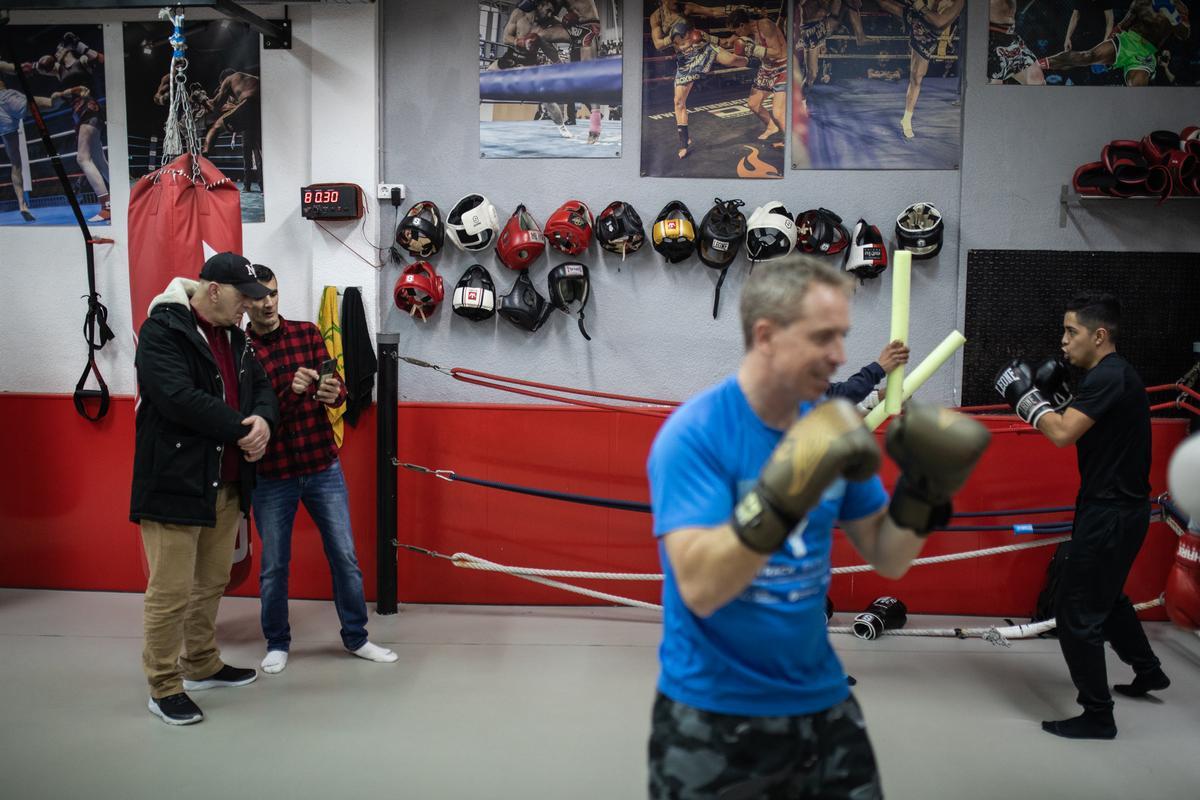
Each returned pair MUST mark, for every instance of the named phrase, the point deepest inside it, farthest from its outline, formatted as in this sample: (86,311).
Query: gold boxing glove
(828,443)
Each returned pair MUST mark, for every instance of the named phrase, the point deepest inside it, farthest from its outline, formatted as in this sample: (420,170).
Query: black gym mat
(1015,301)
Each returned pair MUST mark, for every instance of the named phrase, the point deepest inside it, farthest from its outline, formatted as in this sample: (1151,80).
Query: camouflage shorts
(699,754)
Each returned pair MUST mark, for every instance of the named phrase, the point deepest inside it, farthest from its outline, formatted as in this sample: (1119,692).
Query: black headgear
(421,232)
(820,231)
(674,232)
(523,306)
(919,230)
(619,229)
(567,284)
(475,294)
(867,257)
(722,232)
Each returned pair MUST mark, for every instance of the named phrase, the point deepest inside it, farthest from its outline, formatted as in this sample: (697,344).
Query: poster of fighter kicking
(876,84)
(714,89)
(65,72)
(550,78)
(1092,43)
(223,81)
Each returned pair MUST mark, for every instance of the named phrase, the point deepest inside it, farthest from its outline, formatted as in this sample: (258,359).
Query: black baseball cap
(236,271)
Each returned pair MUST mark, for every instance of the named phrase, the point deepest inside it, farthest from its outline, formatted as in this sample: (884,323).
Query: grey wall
(651,324)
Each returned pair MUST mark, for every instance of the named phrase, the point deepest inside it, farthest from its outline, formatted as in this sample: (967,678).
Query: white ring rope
(468,561)
(992,634)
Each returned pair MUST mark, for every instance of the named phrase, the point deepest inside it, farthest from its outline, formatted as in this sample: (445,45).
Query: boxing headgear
(568,284)
(473,224)
(569,230)
(523,306)
(418,289)
(521,242)
(475,294)
(619,229)
(421,232)
(867,256)
(770,233)
(722,232)
(919,230)
(820,231)
(674,232)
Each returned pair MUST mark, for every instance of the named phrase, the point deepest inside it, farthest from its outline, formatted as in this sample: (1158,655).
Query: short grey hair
(775,290)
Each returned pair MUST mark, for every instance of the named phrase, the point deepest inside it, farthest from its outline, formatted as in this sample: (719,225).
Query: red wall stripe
(65,509)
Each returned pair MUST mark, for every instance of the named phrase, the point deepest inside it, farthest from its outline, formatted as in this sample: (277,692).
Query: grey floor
(530,703)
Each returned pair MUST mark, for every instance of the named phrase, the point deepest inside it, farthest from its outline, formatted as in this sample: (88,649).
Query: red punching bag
(179,215)
(174,219)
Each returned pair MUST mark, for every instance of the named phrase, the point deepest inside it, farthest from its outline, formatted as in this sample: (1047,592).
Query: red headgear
(521,242)
(418,290)
(569,230)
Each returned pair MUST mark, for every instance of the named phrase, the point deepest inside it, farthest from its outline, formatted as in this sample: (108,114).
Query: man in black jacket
(204,417)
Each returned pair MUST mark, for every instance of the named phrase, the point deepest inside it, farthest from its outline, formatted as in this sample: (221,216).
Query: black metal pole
(385,475)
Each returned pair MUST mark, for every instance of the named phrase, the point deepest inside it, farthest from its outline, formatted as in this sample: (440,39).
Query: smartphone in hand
(328,368)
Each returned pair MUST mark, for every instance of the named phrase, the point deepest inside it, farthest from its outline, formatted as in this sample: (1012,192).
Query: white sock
(373,652)
(275,661)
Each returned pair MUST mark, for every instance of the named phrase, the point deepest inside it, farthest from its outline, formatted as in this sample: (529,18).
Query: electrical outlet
(385,191)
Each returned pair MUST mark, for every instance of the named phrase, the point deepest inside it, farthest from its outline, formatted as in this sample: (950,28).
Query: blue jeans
(324,495)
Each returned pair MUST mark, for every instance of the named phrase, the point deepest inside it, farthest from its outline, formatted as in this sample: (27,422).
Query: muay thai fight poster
(877,84)
(1092,43)
(64,67)
(714,89)
(550,78)
(223,82)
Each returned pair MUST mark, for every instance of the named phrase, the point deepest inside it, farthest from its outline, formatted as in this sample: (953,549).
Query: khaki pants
(189,569)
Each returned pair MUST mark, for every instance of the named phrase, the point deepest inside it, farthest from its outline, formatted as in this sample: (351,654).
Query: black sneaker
(225,676)
(176,709)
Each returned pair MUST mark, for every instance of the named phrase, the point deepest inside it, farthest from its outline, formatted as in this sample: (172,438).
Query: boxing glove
(1015,385)
(1183,477)
(1050,378)
(936,449)
(1182,596)
(828,443)
(885,614)
(745,46)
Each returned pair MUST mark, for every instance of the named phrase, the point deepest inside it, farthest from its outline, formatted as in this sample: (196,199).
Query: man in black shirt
(1109,422)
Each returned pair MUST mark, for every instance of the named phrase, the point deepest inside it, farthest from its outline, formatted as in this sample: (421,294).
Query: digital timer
(331,201)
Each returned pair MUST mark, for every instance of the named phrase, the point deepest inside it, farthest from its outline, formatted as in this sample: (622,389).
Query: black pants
(1092,606)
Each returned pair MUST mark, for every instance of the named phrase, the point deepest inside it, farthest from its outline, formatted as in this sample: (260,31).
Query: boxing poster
(1092,43)
(714,89)
(550,78)
(223,84)
(65,72)
(877,84)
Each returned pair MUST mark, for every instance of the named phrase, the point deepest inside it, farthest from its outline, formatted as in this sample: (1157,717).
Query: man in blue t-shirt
(747,480)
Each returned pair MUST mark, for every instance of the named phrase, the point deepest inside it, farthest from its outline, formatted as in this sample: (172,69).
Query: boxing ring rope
(992,634)
(597,80)
(1179,403)
(494,381)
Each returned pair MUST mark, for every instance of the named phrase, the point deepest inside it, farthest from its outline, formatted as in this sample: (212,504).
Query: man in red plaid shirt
(301,466)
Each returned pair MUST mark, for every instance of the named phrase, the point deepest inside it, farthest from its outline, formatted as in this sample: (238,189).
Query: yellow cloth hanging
(331,331)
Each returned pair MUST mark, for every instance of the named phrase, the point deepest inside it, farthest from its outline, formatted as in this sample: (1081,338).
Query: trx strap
(97,314)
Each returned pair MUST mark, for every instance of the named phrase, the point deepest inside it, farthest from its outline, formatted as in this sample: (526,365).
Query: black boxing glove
(1050,378)
(936,449)
(828,443)
(1015,385)
(885,614)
